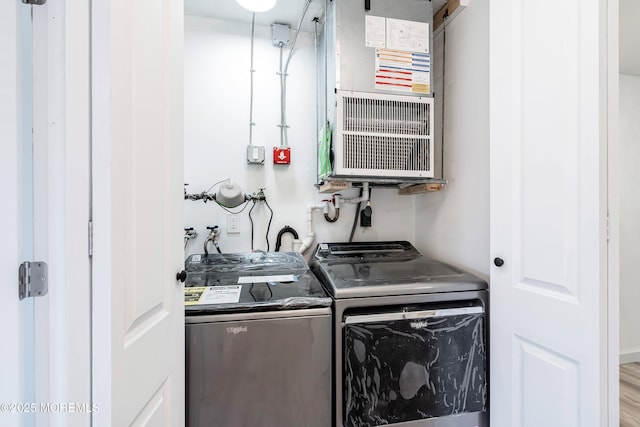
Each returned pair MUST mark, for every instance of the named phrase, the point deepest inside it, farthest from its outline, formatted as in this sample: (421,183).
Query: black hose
(251,220)
(255,201)
(269,225)
(355,219)
(335,218)
(285,229)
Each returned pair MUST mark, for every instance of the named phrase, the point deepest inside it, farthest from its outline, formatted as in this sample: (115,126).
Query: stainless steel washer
(410,337)
(258,342)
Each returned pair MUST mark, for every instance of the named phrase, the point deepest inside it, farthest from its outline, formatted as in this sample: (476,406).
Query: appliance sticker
(274,279)
(196,258)
(396,34)
(407,35)
(403,71)
(375,32)
(212,295)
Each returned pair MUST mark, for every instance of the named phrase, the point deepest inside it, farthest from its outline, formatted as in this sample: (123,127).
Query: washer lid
(350,270)
(251,282)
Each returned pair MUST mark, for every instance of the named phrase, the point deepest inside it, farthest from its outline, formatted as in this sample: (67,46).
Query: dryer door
(405,366)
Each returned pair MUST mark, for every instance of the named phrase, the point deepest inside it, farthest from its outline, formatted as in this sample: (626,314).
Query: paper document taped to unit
(375,31)
(212,295)
(407,35)
(403,71)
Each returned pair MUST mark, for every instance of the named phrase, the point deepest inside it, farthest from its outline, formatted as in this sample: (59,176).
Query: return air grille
(386,153)
(384,135)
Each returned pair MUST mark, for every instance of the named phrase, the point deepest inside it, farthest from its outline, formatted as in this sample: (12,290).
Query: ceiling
(285,12)
(290,11)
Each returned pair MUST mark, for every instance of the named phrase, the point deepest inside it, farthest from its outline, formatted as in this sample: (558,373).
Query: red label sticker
(281,155)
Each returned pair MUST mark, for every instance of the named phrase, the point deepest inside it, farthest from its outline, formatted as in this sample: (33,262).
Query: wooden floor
(630,395)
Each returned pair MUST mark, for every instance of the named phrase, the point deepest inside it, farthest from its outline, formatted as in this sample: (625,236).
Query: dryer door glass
(406,366)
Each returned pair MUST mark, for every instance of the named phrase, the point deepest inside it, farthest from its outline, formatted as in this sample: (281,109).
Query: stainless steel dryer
(410,337)
(258,342)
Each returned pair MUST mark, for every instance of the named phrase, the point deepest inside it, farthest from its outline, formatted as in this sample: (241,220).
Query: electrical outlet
(233,224)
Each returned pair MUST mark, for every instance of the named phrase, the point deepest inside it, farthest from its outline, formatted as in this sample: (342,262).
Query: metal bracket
(33,279)
(36,2)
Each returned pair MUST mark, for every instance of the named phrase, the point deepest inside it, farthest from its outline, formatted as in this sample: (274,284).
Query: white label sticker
(221,295)
(196,258)
(212,295)
(411,36)
(403,71)
(261,279)
(375,35)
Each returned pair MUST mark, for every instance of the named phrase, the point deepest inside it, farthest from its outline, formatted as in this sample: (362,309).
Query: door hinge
(32,279)
(90,244)
(36,2)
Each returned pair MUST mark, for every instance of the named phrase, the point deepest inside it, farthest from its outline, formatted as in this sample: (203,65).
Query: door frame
(12,361)
(61,135)
(613,212)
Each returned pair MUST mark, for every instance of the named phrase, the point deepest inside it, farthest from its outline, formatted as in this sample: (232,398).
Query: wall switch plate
(233,224)
(255,154)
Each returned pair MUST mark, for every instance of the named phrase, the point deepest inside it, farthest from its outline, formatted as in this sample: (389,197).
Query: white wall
(453,225)
(217,59)
(629,218)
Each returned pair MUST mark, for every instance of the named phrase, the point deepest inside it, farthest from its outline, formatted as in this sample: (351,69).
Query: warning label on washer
(212,295)
(403,71)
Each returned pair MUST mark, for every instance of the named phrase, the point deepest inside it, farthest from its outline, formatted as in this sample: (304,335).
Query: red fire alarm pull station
(281,155)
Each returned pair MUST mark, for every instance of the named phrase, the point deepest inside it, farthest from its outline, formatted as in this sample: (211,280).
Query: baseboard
(631,357)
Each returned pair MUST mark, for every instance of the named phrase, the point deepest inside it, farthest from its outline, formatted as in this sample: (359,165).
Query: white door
(138,312)
(548,216)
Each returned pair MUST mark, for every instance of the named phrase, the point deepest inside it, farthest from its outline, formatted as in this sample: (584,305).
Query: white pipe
(364,198)
(307,240)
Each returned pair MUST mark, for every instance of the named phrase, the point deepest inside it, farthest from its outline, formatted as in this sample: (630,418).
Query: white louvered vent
(384,135)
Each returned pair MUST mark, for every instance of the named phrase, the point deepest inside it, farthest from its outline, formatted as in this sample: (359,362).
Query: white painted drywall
(629,37)
(629,218)
(217,59)
(453,225)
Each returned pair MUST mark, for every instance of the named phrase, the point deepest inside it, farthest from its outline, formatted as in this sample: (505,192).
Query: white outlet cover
(233,224)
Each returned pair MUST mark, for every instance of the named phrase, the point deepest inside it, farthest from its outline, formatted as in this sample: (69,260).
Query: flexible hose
(355,219)
(285,229)
(268,225)
(335,218)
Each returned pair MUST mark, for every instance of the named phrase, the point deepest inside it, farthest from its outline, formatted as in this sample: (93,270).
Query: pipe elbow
(306,242)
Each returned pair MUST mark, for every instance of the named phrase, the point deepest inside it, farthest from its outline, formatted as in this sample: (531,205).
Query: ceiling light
(257,5)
